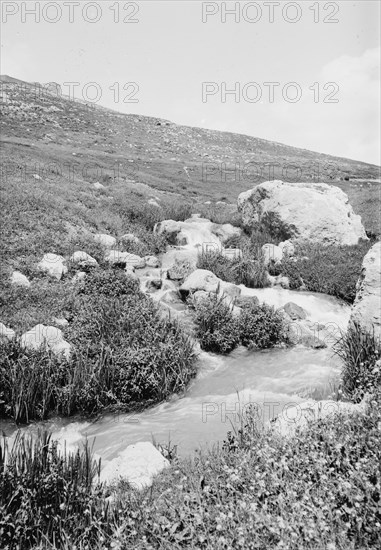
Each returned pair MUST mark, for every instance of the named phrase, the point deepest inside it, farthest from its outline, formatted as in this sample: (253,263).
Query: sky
(303,73)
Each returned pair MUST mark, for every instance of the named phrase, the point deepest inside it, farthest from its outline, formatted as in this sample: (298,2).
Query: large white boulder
(366,310)
(317,212)
(137,464)
(54,265)
(47,336)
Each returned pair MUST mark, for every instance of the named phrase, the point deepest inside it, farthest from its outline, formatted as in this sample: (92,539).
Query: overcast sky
(330,52)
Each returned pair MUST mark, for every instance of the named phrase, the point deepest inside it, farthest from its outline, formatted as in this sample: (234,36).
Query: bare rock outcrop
(366,310)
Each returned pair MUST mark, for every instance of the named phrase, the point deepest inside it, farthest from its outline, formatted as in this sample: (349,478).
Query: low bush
(360,352)
(216,328)
(260,326)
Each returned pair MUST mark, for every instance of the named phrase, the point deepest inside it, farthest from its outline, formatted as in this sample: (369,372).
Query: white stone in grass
(6,333)
(48,337)
(137,464)
(130,237)
(105,240)
(98,185)
(152,202)
(19,279)
(287,248)
(60,321)
(83,259)
(53,265)
(116,257)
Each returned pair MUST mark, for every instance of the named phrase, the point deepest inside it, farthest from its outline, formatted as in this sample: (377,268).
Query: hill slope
(61,140)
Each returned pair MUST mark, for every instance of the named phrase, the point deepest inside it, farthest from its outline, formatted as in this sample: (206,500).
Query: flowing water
(271,379)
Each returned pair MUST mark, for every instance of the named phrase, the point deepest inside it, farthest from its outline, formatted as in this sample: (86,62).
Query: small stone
(116,257)
(19,279)
(53,265)
(105,240)
(294,311)
(6,333)
(46,336)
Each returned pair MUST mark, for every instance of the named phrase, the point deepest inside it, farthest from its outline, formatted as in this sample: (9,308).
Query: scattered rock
(105,240)
(48,336)
(137,464)
(130,237)
(19,279)
(84,260)
(287,248)
(294,311)
(53,265)
(6,333)
(284,282)
(300,334)
(366,310)
(179,270)
(201,279)
(272,254)
(314,211)
(152,261)
(60,321)
(154,284)
(123,259)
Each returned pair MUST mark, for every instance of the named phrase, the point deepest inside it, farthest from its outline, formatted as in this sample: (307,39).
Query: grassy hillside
(71,145)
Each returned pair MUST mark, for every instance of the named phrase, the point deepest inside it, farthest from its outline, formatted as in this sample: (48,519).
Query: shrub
(260,326)
(360,352)
(216,327)
(109,282)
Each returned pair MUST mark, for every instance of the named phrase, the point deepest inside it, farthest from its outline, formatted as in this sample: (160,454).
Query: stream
(271,379)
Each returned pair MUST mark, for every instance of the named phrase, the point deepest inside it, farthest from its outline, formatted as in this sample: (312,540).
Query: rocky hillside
(49,135)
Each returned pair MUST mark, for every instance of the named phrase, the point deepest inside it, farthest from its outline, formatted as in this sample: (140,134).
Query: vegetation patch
(257,326)
(126,356)
(331,270)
